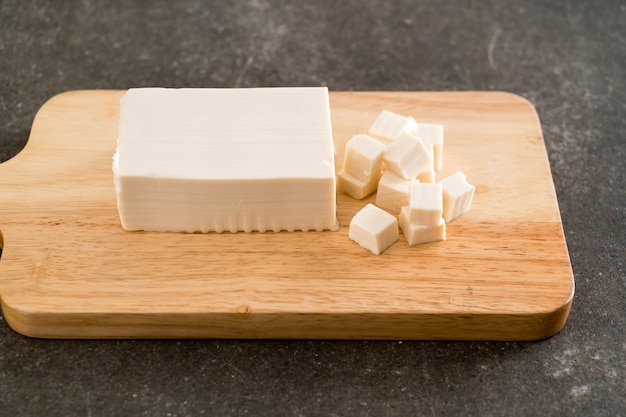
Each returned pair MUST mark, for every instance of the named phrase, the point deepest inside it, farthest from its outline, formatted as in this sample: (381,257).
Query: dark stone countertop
(566,57)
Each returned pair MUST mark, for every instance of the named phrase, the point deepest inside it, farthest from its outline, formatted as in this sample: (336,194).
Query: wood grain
(68,270)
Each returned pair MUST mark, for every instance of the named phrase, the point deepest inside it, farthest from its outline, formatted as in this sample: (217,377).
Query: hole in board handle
(1,243)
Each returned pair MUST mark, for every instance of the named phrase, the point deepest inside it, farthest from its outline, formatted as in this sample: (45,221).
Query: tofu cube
(425,204)
(388,126)
(428,174)
(432,134)
(457,195)
(363,158)
(354,187)
(416,234)
(393,192)
(407,156)
(374,229)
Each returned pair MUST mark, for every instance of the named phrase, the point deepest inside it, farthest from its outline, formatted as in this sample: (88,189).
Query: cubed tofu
(457,195)
(388,126)
(407,156)
(393,192)
(432,134)
(374,229)
(425,204)
(363,158)
(416,234)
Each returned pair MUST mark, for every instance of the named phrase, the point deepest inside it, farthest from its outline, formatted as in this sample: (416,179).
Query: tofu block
(432,134)
(416,234)
(218,159)
(393,192)
(388,126)
(374,229)
(355,187)
(425,204)
(457,195)
(407,156)
(363,158)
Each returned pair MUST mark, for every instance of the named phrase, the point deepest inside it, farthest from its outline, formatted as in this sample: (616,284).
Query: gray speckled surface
(566,57)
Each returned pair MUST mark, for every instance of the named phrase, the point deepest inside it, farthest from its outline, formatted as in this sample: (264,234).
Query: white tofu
(425,204)
(199,160)
(416,234)
(363,158)
(354,187)
(388,126)
(457,195)
(374,229)
(432,134)
(407,156)
(393,192)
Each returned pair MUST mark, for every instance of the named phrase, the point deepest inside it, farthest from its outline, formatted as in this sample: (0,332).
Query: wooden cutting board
(68,270)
